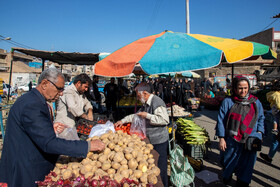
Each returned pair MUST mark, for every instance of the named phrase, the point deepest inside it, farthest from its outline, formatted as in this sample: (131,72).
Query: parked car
(25,87)
(6,89)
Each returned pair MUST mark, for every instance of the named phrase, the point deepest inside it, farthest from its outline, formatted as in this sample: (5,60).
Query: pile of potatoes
(125,156)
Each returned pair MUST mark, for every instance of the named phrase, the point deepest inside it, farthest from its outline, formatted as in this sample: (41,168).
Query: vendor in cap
(155,112)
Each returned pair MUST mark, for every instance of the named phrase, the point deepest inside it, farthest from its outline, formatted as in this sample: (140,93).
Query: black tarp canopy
(61,57)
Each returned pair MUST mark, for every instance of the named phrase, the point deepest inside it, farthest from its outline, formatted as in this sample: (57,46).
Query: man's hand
(223,144)
(90,115)
(59,127)
(118,123)
(142,114)
(97,145)
(84,116)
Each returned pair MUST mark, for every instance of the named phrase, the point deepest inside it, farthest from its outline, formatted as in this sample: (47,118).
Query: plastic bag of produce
(138,127)
(69,134)
(101,129)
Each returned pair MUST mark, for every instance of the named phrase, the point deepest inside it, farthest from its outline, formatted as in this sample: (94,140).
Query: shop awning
(61,57)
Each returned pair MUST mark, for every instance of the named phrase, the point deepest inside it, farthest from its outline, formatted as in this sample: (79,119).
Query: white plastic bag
(69,134)
(138,126)
(101,129)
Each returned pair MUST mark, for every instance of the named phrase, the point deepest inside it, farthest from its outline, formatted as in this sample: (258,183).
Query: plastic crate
(100,118)
(84,126)
(195,151)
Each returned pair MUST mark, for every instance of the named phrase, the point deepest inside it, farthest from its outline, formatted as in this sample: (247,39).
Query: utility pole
(187,17)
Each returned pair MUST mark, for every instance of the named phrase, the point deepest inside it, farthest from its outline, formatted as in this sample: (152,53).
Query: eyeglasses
(58,88)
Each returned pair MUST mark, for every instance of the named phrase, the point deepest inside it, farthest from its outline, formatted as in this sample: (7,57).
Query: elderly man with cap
(155,112)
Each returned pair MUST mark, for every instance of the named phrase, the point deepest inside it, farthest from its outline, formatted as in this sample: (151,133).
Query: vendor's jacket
(70,106)
(31,147)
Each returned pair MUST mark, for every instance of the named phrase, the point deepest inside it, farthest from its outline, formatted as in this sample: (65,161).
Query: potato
(119,156)
(146,151)
(151,161)
(134,153)
(155,170)
(86,161)
(128,150)
(126,185)
(89,155)
(124,162)
(118,177)
(150,156)
(111,171)
(117,148)
(143,166)
(103,158)
(106,165)
(132,164)
(152,179)
(111,155)
(54,179)
(94,156)
(123,167)
(116,165)
(111,145)
(138,174)
(125,173)
(150,146)
(144,178)
(95,138)
(104,136)
(94,168)
(89,174)
(130,144)
(128,156)
(98,164)
(76,172)
(66,174)
(57,170)
(120,143)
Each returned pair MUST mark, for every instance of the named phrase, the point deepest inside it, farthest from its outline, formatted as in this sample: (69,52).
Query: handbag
(253,144)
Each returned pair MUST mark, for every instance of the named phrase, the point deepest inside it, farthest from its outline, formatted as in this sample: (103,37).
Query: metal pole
(43,64)
(187,17)
(11,70)
(232,71)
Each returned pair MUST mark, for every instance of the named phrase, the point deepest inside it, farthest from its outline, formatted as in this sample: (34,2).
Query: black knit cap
(236,80)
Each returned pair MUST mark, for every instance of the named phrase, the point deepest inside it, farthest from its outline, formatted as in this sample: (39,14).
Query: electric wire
(15,43)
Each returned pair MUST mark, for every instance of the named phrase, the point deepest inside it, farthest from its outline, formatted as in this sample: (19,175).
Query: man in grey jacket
(72,104)
(155,112)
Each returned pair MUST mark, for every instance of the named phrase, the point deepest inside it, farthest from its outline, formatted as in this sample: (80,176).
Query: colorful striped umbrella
(170,52)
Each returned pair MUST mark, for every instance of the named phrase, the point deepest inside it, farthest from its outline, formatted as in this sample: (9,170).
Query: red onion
(102,183)
(112,183)
(60,182)
(94,183)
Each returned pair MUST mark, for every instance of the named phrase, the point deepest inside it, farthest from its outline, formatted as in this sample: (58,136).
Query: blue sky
(93,26)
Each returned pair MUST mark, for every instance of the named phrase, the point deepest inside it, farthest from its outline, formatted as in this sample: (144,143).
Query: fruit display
(124,128)
(129,101)
(84,126)
(125,161)
(212,103)
(191,132)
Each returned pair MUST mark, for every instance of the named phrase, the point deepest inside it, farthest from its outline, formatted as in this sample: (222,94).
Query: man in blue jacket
(31,147)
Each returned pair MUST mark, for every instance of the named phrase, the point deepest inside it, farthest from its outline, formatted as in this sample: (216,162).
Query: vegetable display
(178,111)
(191,132)
(125,161)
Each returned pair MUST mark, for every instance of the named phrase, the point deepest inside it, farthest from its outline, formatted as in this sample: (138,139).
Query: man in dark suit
(31,147)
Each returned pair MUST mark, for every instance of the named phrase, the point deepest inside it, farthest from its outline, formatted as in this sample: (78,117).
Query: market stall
(127,160)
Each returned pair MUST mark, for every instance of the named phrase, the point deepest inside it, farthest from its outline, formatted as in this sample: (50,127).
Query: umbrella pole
(232,71)
(171,105)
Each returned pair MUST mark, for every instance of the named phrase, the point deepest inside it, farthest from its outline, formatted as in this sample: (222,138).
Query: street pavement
(264,174)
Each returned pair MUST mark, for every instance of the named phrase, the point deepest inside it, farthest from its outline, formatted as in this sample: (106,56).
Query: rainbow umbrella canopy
(171,52)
